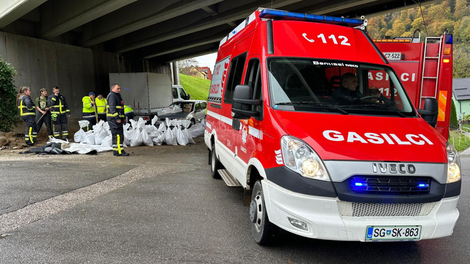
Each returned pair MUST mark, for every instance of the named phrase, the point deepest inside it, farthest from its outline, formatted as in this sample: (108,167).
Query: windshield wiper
(312,103)
(376,106)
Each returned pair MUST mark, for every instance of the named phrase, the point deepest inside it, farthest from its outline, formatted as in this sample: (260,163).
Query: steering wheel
(372,99)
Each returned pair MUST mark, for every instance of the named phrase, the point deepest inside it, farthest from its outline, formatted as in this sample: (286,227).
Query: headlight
(300,158)
(453,164)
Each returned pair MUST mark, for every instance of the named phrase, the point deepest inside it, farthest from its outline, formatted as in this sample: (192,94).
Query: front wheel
(262,229)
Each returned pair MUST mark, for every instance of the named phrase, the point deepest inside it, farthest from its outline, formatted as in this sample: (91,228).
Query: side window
(204,105)
(253,79)
(175,93)
(182,93)
(234,76)
(198,107)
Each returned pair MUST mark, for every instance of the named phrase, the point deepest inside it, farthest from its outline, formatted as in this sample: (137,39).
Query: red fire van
(295,120)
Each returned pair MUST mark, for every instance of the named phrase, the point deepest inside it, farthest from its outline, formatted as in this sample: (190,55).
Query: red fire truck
(310,118)
(425,70)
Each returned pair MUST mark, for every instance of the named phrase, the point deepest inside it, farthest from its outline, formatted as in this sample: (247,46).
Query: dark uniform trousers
(90,117)
(30,134)
(45,120)
(60,124)
(117,132)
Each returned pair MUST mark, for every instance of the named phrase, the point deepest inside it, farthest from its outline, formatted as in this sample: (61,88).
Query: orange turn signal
(447,51)
(445,60)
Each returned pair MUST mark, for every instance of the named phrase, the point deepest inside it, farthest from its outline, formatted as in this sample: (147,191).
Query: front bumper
(325,220)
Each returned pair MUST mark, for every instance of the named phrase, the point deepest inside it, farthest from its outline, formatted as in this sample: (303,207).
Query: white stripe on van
(252,131)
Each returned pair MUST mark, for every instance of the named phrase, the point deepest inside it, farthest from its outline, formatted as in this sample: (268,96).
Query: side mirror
(430,111)
(188,96)
(242,102)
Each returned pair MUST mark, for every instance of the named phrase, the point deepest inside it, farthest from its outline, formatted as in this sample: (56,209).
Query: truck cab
(296,121)
(179,94)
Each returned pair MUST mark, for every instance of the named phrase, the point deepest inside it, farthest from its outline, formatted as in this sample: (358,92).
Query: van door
(226,134)
(248,133)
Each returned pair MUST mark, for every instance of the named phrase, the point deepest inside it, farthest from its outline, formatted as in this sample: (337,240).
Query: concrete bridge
(75,44)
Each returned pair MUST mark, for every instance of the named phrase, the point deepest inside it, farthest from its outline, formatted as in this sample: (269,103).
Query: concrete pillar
(176,72)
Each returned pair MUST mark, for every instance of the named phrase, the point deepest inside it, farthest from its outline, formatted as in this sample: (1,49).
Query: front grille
(379,209)
(397,185)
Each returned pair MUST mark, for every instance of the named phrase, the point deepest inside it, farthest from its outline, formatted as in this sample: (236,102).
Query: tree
(454,124)
(184,65)
(398,28)
(8,108)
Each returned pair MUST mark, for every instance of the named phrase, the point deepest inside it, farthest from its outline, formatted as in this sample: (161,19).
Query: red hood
(371,138)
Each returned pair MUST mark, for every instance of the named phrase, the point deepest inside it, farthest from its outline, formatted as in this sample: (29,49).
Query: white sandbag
(89,138)
(141,124)
(100,136)
(186,132)
(146,139)
(136,139)
(133,123)
(154,120)
(172,109)
(150,129)
(161,128)
(127,136)
(77,137)
(197,130)
(83,123)
(170,137)
(107,141)
(159,139)
(181,137)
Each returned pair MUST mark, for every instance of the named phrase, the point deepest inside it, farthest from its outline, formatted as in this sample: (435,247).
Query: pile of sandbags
(137,133)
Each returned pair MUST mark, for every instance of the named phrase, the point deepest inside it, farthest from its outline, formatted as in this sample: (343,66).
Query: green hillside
(196,87)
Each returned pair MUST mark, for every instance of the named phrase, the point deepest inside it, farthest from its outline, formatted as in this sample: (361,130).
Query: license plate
(388,233)
(392,55)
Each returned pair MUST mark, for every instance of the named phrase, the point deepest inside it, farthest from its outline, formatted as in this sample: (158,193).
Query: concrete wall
(75,70)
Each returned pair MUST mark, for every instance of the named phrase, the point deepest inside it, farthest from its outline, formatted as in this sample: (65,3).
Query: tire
(215,164)
(262,230)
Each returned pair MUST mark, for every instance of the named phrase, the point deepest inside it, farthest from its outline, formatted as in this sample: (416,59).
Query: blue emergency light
(423,185)
(358,185)
(279,14)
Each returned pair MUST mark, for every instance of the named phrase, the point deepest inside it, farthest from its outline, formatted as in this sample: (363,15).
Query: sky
(207,60)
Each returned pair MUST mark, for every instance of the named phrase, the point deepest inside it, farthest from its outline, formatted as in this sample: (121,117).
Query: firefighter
(59,112)
(101,102)
(89,110)
(27,111)
(116,118)
(44,116)
(128,112)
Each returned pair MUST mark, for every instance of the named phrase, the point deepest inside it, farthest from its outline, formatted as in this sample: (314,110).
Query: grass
(459,140)
(196,87)
(466,127)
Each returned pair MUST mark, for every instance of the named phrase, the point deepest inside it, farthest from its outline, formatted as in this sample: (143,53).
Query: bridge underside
(159,30)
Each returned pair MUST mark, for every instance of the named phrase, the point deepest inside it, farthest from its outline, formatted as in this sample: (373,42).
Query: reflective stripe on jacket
(115,106)
(26,106)
(101,105)
(58,104)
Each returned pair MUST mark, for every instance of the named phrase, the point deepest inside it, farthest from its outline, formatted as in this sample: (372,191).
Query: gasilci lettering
(377,138)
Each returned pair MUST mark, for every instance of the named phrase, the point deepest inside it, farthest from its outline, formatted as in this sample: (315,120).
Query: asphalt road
(160,205)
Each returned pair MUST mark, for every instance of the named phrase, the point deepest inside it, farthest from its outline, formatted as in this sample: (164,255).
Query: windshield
(335,86)
(182,106)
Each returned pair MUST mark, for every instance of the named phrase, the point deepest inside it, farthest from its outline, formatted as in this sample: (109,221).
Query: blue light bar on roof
(270,13)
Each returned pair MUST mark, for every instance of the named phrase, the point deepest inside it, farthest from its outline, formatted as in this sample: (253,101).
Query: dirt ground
(18,133)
